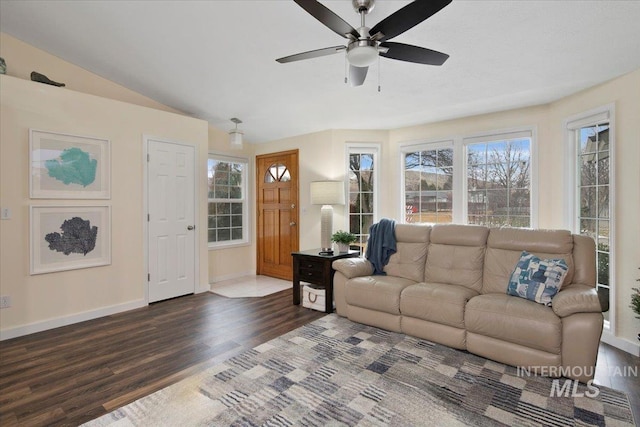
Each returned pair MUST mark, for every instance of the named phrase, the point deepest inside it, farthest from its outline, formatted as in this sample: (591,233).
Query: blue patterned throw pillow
(537,279)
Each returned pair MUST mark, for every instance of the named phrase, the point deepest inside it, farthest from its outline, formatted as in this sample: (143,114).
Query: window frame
(413,147)
(459,143)
(363,148)
(571,127)
(502,135)
(246,211)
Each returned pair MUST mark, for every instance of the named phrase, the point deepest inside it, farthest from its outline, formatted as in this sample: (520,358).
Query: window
(277,173)
(499,182)
(362,170)
(228,222)
(484,179)
(591,153)
(428,185)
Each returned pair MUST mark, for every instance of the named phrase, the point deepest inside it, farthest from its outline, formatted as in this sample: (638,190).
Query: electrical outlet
(5,213)
(5,301)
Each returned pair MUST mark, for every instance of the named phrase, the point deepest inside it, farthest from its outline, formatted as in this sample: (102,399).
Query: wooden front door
(277,193)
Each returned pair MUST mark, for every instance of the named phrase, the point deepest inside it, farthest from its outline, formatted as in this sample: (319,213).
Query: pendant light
(235,135)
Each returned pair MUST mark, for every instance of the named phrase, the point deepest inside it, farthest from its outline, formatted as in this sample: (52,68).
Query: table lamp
(327,193)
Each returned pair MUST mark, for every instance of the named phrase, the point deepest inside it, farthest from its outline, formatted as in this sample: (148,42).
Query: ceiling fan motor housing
(365,6)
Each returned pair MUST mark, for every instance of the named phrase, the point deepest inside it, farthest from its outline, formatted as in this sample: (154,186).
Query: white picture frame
(69,237)
(65,166)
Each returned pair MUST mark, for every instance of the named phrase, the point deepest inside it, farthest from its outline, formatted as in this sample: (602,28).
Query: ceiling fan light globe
(362,56)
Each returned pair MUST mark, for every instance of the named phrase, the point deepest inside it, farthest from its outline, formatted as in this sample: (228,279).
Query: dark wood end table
(309,266)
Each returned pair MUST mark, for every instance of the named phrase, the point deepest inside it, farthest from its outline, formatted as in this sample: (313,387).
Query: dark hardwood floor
(619,370)
(73,374)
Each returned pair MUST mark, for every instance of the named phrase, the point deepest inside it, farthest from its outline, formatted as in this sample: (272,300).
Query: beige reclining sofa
(448,284)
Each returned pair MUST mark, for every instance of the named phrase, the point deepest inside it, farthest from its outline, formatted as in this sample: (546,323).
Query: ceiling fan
(365,44)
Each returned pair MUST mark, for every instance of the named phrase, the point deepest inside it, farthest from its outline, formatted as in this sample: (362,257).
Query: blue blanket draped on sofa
(381,244)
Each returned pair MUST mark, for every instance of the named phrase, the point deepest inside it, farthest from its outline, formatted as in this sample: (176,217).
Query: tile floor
(250,286)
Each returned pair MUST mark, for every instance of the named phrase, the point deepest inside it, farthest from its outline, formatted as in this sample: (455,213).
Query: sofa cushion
(459,235)
(436,302)
(411,244)
(515,320)
(456,255)
(457,265)
(537,279)
(380,293)
(505,245)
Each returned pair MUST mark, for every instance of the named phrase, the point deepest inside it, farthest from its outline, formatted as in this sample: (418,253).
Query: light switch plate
(5,301)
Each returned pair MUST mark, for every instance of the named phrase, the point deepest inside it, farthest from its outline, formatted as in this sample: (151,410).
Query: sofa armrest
(353,267)
(576,299)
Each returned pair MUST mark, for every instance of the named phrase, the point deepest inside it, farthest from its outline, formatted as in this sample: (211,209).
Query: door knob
(292,223)
(191,227)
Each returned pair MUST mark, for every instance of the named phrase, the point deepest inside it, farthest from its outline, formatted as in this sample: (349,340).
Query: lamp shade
(327,193)
(235,138)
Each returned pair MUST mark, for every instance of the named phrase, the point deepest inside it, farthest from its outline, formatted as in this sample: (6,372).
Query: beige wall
(52,299)
(22,59)
(321,157)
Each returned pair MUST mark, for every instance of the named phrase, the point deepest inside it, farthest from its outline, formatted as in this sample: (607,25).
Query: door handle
(191,227)
(292,223)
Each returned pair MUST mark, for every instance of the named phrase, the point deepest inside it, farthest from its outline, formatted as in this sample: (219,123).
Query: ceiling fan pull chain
(345,68)
(378,73)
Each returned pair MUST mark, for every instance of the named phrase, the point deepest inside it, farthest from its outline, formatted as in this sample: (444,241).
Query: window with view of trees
(227,219)
(499,182)
(590,137)
(482,180)
(362,173)
(428,185)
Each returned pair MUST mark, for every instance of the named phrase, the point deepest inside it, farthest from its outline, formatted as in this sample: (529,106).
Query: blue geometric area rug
(334,372)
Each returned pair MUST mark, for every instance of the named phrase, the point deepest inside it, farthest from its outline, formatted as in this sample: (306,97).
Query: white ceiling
(216,59)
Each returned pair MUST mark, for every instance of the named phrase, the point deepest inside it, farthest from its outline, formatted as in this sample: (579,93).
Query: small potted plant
(343,239)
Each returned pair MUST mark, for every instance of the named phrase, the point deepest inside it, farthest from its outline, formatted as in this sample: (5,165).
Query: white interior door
(171,231)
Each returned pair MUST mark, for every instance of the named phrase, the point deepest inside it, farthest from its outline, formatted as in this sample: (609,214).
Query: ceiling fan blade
(409,53)
(328,18)
(407,17)
(357,75)
(311,54)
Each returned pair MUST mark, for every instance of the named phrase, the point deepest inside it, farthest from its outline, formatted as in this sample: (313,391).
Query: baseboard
(203,288)
(217,279)
(57,322)
(620,343)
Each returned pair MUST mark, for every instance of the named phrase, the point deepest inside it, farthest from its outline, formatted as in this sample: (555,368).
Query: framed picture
(68,166)
(69,237)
